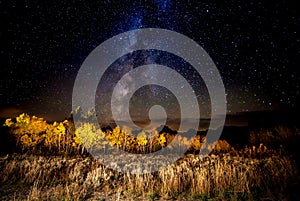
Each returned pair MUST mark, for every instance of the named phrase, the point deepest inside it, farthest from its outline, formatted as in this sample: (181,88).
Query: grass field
(259,171)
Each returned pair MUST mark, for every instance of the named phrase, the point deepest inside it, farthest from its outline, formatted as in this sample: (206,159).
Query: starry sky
(254,44)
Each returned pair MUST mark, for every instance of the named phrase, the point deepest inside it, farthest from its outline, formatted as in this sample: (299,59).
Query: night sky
(254,44)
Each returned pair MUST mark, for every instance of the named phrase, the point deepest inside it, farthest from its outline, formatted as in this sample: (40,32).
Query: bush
(280,135)
(35,135)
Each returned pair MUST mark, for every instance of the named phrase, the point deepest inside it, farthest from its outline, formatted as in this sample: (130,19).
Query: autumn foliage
(33,134)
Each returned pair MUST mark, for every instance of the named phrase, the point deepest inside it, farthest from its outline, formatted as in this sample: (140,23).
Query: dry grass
(53,171)
(221,177)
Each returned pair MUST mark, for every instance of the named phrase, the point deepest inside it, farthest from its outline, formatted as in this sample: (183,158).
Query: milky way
(254,44)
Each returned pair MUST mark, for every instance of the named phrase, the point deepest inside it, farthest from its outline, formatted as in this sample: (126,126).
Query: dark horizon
(255,119)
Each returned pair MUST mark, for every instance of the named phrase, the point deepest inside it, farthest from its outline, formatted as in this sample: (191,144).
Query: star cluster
(254,44)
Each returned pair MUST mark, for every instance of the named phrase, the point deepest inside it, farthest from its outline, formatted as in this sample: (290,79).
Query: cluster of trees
(33,134)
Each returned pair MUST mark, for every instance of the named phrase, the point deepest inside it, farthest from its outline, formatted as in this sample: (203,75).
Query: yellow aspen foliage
(162,140)
(77,141)
(29,131)
(26,140)
(196,144)
(222,145)
(8,123)
(130,142)
(142,138)
(35,134)
(117,137)
(113,136)
(89,136)
(23,119)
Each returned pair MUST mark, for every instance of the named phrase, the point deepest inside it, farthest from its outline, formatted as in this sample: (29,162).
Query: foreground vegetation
(226,177)
(50,163)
